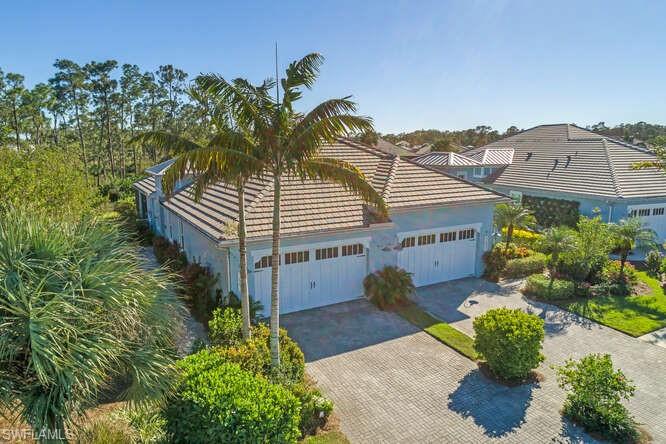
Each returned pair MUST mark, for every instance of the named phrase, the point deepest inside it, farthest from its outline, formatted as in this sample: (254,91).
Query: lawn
(333,437)
(439,330)
(634,315)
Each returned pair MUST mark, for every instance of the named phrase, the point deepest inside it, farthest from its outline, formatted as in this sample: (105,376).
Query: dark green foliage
(256,307)
(653,263)
(388,286)
(595,392)
(592,245)
(315,408)
(510,341)
(540,287)
(553,212)
(168,253)
(120,188)
(522,267)
(618,281)
(495,262)
(218,402)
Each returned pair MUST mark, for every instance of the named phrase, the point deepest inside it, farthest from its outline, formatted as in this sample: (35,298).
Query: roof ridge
(390,176)
(364,147)
(616,186)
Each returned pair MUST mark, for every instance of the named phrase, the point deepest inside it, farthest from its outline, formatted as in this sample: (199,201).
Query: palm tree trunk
(275,276)
(242,249)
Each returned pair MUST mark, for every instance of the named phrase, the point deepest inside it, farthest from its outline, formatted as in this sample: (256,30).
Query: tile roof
(571,159)
(313,206)
(446,159)
(146,185)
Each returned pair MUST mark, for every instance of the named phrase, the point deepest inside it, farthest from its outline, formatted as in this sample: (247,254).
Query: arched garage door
(312,275)
(439,255)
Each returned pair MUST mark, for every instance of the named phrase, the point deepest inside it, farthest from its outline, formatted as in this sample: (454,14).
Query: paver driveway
(393,383)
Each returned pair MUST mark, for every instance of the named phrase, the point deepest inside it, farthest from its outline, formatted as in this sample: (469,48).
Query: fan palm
(556,241)
(77,311)
(230,155)
(511,216)
(292,142)
(630,234)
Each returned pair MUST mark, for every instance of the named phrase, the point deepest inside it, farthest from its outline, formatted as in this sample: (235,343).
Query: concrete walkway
(657,337)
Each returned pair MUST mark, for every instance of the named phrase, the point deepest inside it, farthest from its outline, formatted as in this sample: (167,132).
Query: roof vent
(568,160)
(555,162)
(529,155)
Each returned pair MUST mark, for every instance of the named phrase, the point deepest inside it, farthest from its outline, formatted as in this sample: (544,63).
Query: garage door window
(353,250)
(447,237)
(426,239)
(264,262)
(408,242)
(326,253)
(640,212)
(466,234)
(296,257)
(658,211)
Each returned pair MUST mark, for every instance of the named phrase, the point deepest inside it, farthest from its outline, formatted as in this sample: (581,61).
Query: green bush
(518,268)
(616,283)
(595,391)
(226,327)
(217,402)
(495,262)
(315,408)
(510,341)
(254,355)
(232,300)
(168,253)
(539,286)
(388,286)
(653,263)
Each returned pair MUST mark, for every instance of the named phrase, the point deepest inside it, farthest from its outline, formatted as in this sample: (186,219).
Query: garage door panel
(653,216)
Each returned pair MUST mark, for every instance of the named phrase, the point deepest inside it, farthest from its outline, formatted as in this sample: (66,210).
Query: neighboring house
(390,148)
(438,228)
(570,163)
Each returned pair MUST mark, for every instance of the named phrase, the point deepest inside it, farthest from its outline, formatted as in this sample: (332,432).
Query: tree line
(94,109)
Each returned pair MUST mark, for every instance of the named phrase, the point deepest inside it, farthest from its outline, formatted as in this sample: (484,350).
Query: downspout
(228,270)
(610,212)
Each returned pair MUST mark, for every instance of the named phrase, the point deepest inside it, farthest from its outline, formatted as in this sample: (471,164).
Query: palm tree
(77,311)
(630,234)
(513,216)
(230,156)
(556,241)
(292,142)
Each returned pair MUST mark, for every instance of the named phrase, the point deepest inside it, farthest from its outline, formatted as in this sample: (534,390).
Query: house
(564,162)
(394,149)
(439,226)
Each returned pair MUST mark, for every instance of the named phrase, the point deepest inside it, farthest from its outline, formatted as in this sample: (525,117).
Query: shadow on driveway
(335,329)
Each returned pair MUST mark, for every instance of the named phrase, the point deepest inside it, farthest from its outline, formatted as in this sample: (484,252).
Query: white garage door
(653,216)
(440,254)
(313,275)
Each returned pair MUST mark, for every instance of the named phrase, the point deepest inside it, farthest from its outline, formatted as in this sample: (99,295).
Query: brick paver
(392,383)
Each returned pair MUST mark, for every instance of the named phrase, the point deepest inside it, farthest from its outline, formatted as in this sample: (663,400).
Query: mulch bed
(533,378)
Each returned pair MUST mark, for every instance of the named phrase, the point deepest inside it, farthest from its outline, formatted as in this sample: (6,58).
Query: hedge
(518,268)
(553,212)
(538,286)
(217,402)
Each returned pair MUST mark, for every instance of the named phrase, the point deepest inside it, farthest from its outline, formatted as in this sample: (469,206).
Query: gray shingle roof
(571,159)
(312,206)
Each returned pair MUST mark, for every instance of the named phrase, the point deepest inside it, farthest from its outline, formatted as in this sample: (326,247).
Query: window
(481,172)
(264,262)
(640,212)
(478,172)
(326,253)
(466,234)
(426,239)
(296,257)
(408,242)
(658,211)
(447,237)
(353,250)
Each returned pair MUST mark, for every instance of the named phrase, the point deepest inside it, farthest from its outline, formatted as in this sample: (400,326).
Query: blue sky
(409,64)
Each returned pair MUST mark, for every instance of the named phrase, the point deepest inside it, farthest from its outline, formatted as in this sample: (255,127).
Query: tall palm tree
(77,311)
(630,234)
(513,216)
(556,241)
(230,156)
(292,143)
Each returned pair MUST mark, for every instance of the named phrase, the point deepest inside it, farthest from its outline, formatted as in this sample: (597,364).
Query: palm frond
(344,174)
(303,72)
(164,141)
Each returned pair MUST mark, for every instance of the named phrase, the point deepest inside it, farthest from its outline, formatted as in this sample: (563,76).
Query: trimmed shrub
(510,341)
(653,263)
(538,286)
(524,238)
(218,402)
(388,286)
(495,262)
(254,356)
(595,391)
(226,327)
(315,408)
(518,268)
(553,212)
